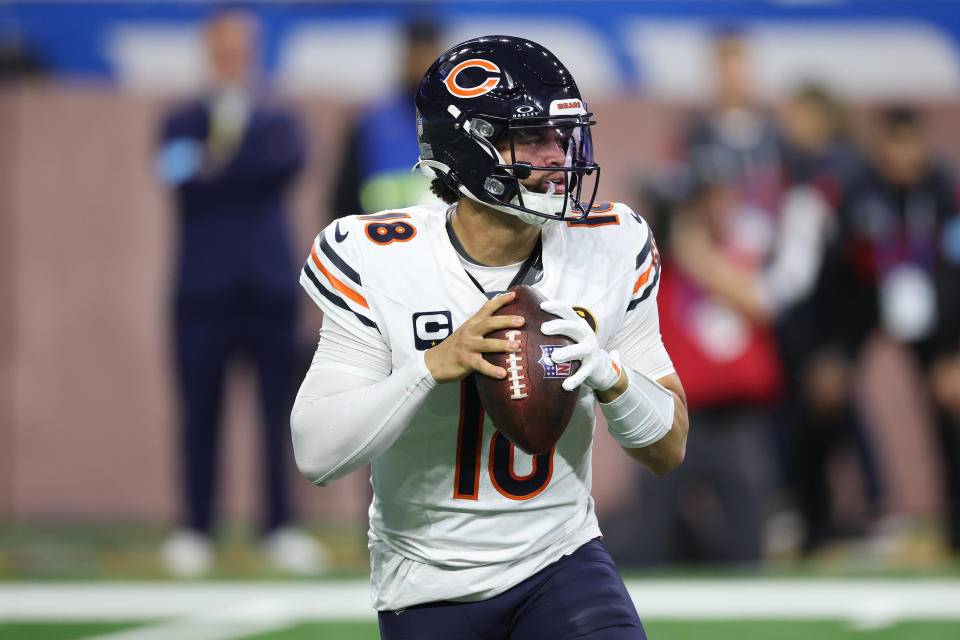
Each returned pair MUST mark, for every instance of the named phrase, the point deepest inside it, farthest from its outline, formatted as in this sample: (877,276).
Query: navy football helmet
(486,97)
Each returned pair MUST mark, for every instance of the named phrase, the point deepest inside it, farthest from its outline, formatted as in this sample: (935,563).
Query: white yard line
(244,619)
(348,600)
(229,609)
(863,602)
(194,630)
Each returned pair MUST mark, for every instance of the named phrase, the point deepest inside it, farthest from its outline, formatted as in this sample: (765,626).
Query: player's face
(543,147)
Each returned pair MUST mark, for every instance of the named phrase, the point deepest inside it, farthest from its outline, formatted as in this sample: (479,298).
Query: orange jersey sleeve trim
(642,280)
(339,286)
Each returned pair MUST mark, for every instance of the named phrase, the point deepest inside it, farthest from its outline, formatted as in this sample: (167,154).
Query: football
(529,406)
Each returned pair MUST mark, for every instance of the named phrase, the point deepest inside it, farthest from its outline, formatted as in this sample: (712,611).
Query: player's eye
(564,138)
(533,137)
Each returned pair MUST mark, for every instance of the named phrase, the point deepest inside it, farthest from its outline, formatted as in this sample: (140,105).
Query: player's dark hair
(444,192)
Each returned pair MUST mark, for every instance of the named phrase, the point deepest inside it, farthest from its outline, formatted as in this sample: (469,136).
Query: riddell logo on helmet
(486,86)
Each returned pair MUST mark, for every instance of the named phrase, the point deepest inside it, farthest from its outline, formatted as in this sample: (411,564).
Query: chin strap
(430,168)
(551,204)
(547,203)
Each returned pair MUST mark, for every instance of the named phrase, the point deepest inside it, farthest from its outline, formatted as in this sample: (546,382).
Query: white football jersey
(458,513)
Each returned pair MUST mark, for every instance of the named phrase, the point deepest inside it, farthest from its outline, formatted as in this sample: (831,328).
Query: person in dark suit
(229,156)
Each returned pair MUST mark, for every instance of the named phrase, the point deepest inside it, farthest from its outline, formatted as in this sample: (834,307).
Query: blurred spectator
(737,140)
(818,418)
(381,147)
(715,507)
(817,139)
(717,323)
(17,60)
(894,265)
(230,156)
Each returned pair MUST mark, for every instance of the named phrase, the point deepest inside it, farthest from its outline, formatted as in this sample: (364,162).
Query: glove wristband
(612,376)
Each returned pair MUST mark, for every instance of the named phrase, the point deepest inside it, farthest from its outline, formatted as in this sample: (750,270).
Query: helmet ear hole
(483,128)
(494,186)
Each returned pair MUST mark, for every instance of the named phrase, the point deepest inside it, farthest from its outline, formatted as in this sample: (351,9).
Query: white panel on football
(350,61)
(157,57)
(857,59)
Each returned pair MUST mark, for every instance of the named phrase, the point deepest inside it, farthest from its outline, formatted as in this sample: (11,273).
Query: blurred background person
(894,265)
(717,323)
(714,511)
(17,61)
(736,138)
(381,147)
(229,157)
(818,146)
(819,415)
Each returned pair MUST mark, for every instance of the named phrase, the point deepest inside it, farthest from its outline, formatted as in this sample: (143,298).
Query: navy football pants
(210,331)
(579,596)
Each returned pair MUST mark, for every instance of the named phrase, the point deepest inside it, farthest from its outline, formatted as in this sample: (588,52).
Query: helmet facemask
(538,194)
(562,188)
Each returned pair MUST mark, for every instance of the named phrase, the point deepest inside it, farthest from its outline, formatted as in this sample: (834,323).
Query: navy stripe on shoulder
(594,221)
(642,256)
(646,293)
(335,299)
(385,216)
(346,269)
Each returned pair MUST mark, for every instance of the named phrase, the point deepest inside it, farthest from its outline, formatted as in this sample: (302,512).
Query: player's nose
(554,155)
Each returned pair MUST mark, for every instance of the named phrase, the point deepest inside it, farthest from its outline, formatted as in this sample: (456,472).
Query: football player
(470,537)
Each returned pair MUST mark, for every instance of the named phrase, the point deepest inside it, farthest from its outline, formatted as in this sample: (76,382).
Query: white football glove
(598,370)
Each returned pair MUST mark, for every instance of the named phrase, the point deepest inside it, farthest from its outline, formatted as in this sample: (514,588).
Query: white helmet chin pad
(549,204)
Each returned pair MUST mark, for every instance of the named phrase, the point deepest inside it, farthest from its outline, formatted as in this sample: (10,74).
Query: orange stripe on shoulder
(642,280)
(339,286)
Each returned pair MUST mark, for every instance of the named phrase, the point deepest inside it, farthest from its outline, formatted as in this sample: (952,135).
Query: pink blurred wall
(87,413)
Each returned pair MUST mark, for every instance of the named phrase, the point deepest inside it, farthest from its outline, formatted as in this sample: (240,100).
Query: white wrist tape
(642,414)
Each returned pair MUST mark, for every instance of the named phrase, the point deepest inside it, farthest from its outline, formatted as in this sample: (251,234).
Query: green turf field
(686,609)
(56,631)
(104,583)
(656,630)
